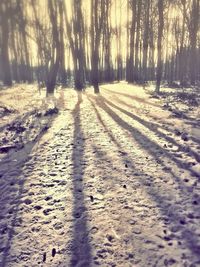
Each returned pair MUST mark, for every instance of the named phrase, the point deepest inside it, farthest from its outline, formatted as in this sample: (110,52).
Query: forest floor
(108,180)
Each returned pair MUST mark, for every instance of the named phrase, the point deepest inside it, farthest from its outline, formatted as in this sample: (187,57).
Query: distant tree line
(96,41)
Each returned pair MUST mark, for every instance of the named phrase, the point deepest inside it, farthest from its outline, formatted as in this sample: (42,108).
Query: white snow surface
(113,182)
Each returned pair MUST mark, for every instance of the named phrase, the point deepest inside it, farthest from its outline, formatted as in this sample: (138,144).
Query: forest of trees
(87,42)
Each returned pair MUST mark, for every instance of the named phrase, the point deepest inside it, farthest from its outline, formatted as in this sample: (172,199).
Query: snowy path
(110,184)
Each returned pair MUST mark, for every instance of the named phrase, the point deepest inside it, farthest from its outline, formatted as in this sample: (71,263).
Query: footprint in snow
(44,257)
(53,253)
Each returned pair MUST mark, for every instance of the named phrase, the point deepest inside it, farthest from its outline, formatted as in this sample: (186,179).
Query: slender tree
(55,59)
(145,40)
(62,72)
(96,28)
(76,34)
(137,41)
(6,69)
(159,45)
(193,30)
(131,67)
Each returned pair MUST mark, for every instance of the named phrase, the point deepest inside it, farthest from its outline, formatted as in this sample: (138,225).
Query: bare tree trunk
(6,70)
(172,69)
(182,59)
(151,54)
(118,41)
(96,27)
(132,42)
(107,42)
(76,39)
(194,23)
(62,48)
(14,50)
(55,59)
(159,45)
(137,42)
(22,28)
(127,44)
(145,41)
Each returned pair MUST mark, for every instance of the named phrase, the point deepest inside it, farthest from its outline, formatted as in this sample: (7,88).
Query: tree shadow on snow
(11,169)
(153,148)
(154,128)
(166,203)
(136,98)
(81,250)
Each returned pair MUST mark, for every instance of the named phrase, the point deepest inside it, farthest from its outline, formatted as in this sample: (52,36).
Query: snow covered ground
(111,180)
